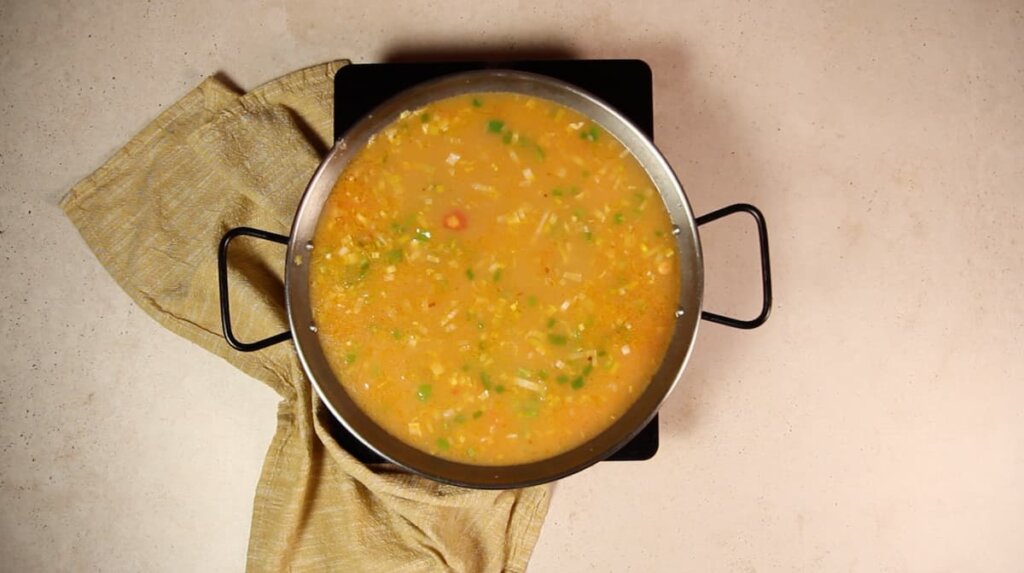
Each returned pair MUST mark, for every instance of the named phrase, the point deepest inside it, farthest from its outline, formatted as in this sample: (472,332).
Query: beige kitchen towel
(153,215)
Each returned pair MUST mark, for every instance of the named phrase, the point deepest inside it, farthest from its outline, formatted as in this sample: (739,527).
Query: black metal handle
(225,305)
(766,272)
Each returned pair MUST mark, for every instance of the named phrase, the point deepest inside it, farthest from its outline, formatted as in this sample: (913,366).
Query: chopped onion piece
(540,227)
(529,385)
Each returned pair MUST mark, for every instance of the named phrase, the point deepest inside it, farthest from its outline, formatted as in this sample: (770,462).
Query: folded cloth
(153,215)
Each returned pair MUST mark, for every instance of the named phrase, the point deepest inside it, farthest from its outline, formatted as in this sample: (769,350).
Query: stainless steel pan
(687,315)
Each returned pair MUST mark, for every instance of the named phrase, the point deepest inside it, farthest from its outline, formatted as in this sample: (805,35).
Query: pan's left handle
(225,304)
(766,271)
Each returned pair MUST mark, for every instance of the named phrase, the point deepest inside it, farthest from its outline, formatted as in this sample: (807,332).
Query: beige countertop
(876,423)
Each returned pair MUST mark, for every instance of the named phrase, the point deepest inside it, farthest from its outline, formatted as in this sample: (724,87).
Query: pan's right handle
(225,304)
(766,271)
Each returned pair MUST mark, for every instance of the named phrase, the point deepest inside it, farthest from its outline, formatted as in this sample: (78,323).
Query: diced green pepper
(590,134)
(558,339)
(532,145)
(424,392)
(495,125)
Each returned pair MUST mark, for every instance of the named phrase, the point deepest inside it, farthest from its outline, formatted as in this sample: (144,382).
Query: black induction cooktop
(624,84)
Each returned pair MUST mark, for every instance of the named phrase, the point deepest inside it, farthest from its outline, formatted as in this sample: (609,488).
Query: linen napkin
(153,215)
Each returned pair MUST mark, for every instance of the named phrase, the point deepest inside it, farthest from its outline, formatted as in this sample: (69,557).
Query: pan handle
(225,304)
(766,273)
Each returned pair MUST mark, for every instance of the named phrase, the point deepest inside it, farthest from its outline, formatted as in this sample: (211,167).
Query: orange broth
(494,279)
